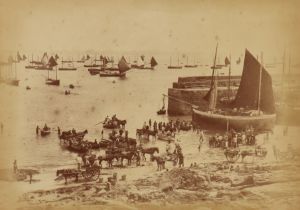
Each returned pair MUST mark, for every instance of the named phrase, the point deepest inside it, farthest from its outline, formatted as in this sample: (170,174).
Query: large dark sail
(123,65)
(153,62)
(248,92)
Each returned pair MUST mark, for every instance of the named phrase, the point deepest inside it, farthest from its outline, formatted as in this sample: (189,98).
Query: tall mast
(229,77)
(16,68)
(259,86)
(289,63)
(214,66)
(178,61)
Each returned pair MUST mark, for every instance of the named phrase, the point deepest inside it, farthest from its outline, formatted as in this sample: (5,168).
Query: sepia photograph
(149,104)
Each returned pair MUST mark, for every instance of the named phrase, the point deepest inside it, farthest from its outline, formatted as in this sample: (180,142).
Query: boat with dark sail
(253,104)
(44,63)
(55,81)
(174,67)
(123,66)
(153,63)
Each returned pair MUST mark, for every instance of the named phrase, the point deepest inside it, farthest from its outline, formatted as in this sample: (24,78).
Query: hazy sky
(155,26)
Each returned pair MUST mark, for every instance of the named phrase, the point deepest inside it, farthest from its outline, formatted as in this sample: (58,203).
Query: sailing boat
(44,63)
(163,109)
(153,63)
(120,72)
(139,63)
(68,68)
(254,99)
(174,67)
(51,64)
(12,81)
(189,65)
(83,59)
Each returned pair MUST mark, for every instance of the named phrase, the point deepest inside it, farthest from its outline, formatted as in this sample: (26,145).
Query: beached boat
(165,137)
(253,105)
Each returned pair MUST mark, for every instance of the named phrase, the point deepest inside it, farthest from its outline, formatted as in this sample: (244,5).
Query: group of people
(171,126)
(233,139)
(170,150)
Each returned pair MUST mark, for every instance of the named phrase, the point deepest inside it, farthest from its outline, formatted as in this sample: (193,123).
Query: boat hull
(67,69)
(53,82)
(13,82)
(112,74)
(174,67)
(262,122)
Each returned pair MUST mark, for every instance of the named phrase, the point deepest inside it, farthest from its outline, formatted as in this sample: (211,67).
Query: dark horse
(128,156)
(160,162)
(68,173)
(150,151)
(108,158)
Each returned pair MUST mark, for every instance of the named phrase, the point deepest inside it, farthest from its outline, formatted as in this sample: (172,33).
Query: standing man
(58,130)
(37,130)
(201,139)
(102,134)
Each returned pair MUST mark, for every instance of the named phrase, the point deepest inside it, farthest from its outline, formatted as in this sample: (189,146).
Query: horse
(108,158)
(160,162)
(150,151)
(68,173)
(127,155)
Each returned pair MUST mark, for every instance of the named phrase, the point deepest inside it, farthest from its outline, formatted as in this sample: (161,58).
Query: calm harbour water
(135,98)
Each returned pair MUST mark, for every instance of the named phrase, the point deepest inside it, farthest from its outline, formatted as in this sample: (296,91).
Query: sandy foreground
(255,183)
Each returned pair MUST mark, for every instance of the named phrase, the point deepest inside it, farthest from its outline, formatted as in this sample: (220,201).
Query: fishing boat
(139,63)
(55,81)
(45,131)
(94,71)
(153,63)
(165,137)
(70,67)
(162,111)
(174,67)
(120,72)
(190,65)
(253,104)
(12,80)
(44,63)
(31,64)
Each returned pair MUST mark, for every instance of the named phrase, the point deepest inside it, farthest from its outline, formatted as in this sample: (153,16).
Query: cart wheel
(91,174)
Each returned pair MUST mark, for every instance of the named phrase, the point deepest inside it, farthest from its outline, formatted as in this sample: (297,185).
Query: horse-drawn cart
(89,173)
(233,154)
